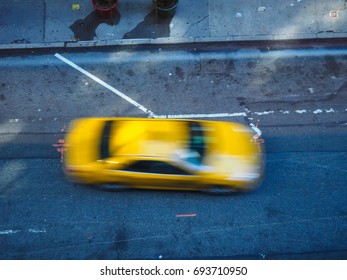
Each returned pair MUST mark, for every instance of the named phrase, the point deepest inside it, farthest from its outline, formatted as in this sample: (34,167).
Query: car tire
(113,187)
(220,190)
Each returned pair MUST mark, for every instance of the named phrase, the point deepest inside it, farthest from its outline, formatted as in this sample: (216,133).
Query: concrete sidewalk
(51,23)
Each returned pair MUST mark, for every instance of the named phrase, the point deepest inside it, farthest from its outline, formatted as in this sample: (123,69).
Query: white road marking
(263,113)
(318,111)
(256,129)
(300,111)
(196,116)
(220,115)
(186,215)
(244,114)
(101,82)
(36,230)
(11,231)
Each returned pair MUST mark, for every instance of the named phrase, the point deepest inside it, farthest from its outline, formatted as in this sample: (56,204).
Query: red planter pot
(105,12)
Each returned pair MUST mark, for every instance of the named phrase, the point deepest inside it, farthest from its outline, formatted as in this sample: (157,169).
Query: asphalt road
(297,97)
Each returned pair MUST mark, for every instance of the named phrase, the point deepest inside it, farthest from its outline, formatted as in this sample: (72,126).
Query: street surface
(297,97)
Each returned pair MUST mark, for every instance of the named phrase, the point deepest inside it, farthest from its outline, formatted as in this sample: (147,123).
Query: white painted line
(220,115)
(263,113)
(243,114)
(196,116)
(318,111)
(9,231)
(186,215)
(300,111)
(256,129)
(36,230)
(96,79)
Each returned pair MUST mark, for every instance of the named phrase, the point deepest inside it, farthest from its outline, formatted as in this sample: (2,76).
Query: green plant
(165,4)
(105,3)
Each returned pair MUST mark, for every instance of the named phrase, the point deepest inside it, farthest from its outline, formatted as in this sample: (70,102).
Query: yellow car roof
(143,137)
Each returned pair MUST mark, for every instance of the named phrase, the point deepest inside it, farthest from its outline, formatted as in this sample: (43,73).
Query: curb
(172,41)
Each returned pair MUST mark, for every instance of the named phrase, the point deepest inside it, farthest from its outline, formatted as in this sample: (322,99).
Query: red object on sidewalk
(105,12)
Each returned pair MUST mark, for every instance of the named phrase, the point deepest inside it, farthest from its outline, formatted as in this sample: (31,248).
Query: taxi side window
(137,166)
(156,167)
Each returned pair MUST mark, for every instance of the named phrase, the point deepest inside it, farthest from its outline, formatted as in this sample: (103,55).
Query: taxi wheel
(113,187)
(220,190)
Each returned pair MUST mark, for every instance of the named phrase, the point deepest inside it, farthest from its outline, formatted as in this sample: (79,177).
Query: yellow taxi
(117,153)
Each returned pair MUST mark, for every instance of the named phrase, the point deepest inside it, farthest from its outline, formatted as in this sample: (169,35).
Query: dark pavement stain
(332,65)
(131,73)
(179,73)
(21,41)
(230,65)
(2,97)
(152,71)
(84,29)
(342,89)
(241,100)
(120,243)
(152,27)
(272,212)
(251,65)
